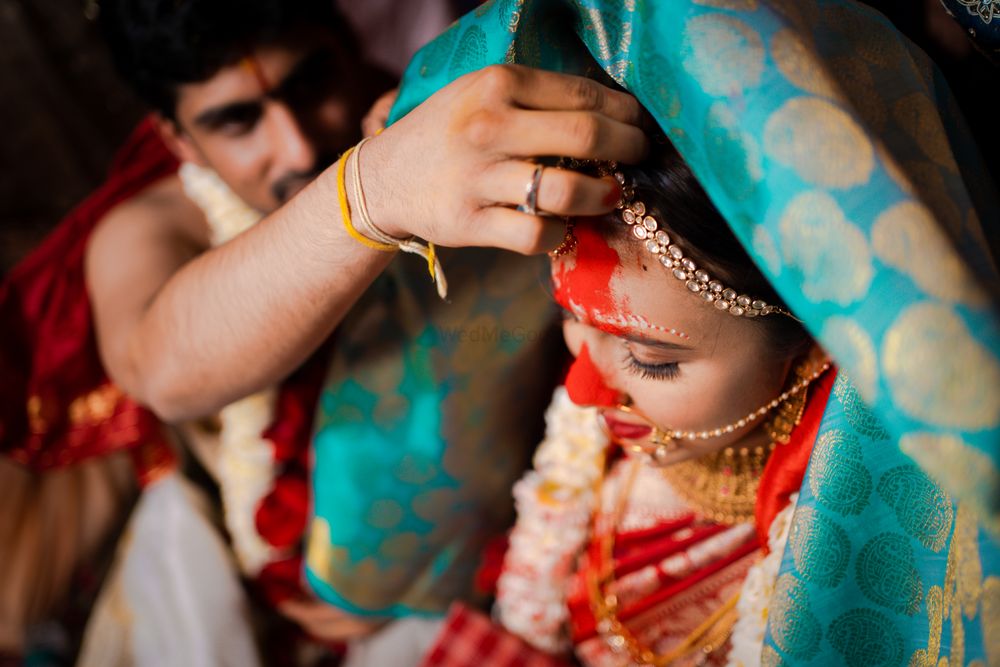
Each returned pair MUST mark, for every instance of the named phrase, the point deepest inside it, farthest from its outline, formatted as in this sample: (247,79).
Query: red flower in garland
(282,514)
(280,580)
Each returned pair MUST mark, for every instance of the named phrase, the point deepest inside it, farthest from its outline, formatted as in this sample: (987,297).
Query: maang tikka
(646,228)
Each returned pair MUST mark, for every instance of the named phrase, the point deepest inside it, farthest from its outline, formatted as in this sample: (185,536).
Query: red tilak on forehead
(251,64)
(587,284)
(585,384)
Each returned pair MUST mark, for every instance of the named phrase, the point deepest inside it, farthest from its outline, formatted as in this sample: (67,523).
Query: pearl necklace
(665,440)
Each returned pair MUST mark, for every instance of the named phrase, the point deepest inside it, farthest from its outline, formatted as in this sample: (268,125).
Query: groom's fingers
(499,227)
(552,91)
(561,192)
(578,134)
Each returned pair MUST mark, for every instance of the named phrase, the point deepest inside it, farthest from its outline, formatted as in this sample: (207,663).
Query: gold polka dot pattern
(798,63)
(821,142)
(723,53)
(908,231)
(829,250)
(855,350)
(953,390)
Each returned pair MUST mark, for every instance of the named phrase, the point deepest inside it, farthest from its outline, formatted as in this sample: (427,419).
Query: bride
(712,487)
(653,550)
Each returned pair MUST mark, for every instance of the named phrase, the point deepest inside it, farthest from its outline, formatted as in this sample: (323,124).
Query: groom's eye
(233,120)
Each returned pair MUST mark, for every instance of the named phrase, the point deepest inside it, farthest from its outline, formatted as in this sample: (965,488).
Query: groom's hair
(158,45)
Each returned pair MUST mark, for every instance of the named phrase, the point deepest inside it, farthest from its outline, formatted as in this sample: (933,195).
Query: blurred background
(63,112)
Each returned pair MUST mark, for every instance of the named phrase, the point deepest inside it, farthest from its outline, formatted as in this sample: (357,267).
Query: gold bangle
(345,209)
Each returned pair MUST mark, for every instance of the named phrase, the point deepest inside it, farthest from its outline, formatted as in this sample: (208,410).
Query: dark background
(62,111)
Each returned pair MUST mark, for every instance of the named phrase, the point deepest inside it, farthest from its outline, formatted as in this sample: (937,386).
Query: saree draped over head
(834,149)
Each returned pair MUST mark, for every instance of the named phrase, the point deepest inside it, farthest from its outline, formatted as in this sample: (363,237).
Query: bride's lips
(626,430)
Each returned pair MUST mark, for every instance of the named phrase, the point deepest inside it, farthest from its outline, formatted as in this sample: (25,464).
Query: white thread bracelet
(410,245)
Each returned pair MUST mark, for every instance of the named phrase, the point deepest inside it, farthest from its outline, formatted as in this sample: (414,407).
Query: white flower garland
(227,214)
(554,504)
(245,459)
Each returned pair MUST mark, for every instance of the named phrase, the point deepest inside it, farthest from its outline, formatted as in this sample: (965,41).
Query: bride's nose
(586,384)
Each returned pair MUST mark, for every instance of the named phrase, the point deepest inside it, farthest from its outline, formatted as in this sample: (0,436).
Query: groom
(420,432)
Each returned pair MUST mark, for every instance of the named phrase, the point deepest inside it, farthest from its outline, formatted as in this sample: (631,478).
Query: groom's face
(271,122)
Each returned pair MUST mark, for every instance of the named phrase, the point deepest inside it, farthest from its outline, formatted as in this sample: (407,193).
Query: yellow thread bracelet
(431,258)
(345,209)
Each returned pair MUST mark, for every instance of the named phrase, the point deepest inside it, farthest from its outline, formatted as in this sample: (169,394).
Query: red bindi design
(585,288)
(585,384)
(587,284)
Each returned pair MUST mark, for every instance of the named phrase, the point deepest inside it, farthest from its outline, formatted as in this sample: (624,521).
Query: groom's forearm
(189,335)
(235,318)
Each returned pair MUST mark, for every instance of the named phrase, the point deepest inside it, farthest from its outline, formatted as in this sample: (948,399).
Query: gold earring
(788,415)
(568,244)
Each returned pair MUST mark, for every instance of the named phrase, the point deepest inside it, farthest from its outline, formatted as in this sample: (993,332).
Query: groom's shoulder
(160,213)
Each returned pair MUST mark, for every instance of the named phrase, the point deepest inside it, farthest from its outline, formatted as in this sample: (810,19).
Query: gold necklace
(708,637)
(721,486)
(788,415)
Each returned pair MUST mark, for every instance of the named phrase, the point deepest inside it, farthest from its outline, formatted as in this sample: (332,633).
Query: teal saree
(835,151)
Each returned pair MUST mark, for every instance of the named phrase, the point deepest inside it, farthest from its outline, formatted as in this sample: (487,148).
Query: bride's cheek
(573,334)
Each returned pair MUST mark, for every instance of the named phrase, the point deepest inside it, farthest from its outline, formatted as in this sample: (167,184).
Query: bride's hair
(673,196)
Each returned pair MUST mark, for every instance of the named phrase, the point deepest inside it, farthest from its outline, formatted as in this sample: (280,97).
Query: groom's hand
(453,170)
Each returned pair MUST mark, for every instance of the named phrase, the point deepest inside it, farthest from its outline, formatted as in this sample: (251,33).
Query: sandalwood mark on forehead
(621,323)
(252,65)
(643,323)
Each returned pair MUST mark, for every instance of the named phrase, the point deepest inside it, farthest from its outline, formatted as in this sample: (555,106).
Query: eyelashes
(666,371)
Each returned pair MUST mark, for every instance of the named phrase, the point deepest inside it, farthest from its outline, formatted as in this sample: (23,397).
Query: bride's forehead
(610,285)
(601,260)
(586,274)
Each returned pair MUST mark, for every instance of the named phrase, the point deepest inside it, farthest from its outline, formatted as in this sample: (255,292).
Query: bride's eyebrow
(620,323)
(652,342)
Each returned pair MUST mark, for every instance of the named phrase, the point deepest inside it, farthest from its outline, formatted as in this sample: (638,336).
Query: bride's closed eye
(651,371)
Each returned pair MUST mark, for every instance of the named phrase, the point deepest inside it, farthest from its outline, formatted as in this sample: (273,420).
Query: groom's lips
(626,430)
